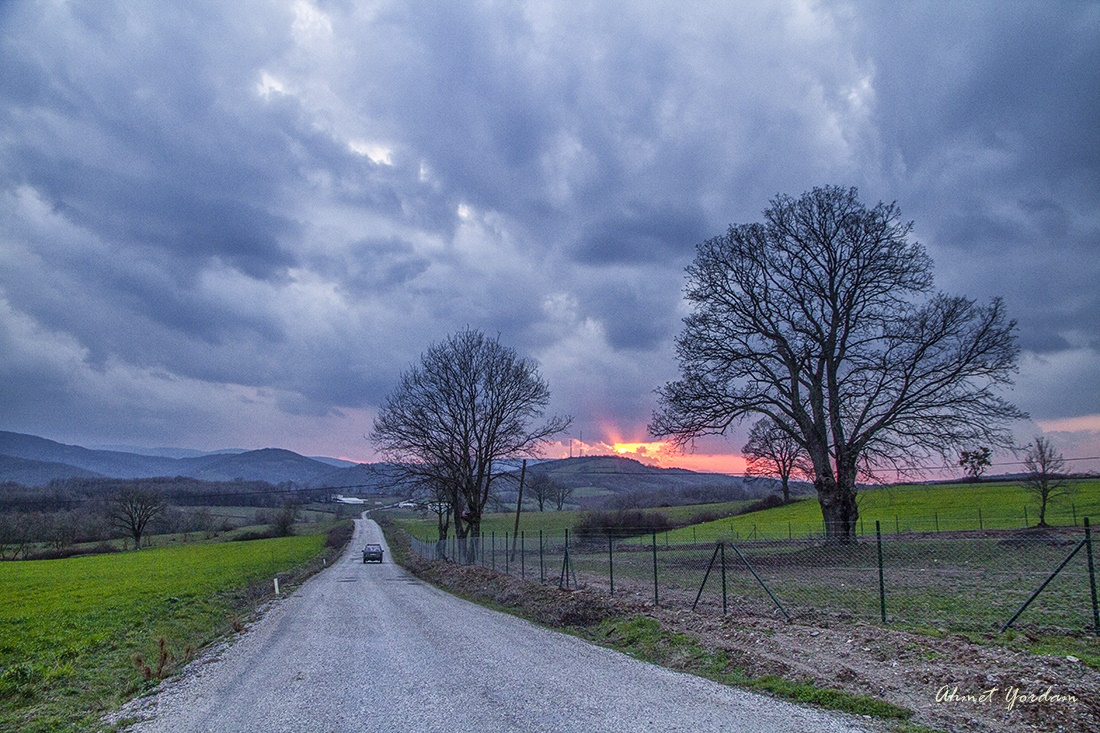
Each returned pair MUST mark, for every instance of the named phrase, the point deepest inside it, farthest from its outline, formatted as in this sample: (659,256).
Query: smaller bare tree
(1045,478)
(771,451)
(560,493)
(974,462)
(131,510)
(15,534)
(542,488)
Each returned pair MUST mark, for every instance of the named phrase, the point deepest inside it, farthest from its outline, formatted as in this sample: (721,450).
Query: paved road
(370,648)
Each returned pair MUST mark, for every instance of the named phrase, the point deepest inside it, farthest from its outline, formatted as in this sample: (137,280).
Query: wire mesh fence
(960,581)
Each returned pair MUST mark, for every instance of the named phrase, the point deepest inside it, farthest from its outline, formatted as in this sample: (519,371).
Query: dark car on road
(372,553)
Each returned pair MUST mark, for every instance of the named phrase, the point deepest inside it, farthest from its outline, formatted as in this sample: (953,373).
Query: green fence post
(1092,577)
(655,597)
(881,575)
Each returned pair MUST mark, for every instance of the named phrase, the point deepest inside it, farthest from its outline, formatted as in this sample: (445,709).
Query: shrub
(621,523)
(339,535)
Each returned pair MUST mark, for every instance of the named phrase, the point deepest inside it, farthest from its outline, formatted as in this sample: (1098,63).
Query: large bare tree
(470,403)
(824,319)
(771,451)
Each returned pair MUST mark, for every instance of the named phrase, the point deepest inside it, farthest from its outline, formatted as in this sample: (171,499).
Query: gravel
(367,647)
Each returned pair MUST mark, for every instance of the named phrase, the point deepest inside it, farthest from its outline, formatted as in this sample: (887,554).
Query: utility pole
(519,506)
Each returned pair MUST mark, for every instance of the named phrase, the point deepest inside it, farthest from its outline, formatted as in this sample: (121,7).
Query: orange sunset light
(659,453)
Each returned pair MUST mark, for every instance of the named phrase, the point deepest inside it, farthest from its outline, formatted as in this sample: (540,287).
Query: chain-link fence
(967,581)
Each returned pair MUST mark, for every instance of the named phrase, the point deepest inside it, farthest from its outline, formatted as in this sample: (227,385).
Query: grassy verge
(644,638)
(80,636)
(602,621)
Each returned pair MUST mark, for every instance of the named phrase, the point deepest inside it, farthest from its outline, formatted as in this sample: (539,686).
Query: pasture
(912,508)
(70,629)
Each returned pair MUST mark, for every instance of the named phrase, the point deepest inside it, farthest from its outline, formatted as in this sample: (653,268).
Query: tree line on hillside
(50,521)
(70,493)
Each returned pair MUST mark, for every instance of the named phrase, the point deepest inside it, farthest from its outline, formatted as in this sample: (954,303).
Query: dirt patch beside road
(950,683)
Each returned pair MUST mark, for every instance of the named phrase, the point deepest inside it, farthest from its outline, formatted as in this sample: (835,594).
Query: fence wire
(962,581)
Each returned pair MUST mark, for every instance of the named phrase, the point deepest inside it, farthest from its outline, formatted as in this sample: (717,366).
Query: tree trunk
(839,510)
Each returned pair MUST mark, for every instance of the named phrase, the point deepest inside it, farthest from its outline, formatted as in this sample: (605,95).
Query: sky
(236,224)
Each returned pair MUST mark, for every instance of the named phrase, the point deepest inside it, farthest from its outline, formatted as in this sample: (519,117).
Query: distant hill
(39,473)
(619,474)
(360,478)
(35,461)
(617,481)
(273,465)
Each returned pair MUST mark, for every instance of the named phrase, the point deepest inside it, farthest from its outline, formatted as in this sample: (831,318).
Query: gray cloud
(221,225)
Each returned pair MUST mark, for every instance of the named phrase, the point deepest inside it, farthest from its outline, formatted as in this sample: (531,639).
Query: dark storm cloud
(254,217)
(999,170)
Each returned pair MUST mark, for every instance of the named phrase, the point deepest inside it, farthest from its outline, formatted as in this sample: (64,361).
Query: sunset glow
(652,453)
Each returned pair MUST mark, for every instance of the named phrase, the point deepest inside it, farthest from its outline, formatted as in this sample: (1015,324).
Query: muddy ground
(949,682)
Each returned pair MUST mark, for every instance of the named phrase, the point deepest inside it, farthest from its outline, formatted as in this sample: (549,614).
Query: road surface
(367,647)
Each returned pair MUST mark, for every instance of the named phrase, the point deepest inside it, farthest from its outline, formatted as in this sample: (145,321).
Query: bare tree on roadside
(469,404)
(131,510)
(823,317)
(1045,478)
(771,451)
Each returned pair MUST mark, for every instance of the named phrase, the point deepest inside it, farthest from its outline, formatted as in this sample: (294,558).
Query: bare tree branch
(453,419)
(823,319)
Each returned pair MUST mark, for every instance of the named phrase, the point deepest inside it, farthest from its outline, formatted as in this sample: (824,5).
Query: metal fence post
(611,561)
(507,557)
(655,598)
(494,549)
(981,524)
(1092,576)
(706,575)
(723,553)
(523,554)
(542,567)
(1026,520)
(881,575)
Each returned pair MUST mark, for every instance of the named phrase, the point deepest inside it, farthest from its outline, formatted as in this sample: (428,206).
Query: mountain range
(33,461)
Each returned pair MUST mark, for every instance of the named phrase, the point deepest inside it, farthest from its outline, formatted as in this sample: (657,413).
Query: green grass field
(912,508)
(552,522)
(69,629)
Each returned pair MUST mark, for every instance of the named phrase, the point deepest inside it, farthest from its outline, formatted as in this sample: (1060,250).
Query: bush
(621,523)
(768,502)
(339,535)
(54,554)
